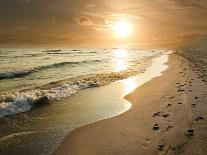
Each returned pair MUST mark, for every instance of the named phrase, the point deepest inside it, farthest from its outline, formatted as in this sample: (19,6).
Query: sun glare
(122,29)
(120,60)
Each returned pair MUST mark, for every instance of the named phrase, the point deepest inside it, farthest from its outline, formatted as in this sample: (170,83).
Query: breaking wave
(13,103)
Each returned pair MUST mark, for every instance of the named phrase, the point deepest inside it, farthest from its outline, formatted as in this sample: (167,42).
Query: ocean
(47,93)
(29,76)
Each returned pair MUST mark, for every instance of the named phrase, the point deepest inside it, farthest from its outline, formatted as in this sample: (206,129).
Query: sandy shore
(168,116)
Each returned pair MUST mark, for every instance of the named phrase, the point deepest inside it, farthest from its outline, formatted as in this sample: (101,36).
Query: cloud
(191,3)
(101,28)
(84,21)
(150,18)
(89,5)
(51,19)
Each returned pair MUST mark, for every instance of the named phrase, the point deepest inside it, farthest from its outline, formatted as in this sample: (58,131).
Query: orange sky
(86,22)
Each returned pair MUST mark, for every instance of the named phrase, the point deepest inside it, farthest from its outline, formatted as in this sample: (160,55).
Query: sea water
(30,75)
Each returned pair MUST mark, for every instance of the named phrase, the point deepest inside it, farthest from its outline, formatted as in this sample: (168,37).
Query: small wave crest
(18,73)
(51,51)
(22,73)
(74,51)
(70,63)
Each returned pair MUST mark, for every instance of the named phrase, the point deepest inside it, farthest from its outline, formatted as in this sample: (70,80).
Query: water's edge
(41,130)
(127,86)
(20,101)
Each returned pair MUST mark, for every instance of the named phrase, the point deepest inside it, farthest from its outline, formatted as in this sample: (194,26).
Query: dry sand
(168,116)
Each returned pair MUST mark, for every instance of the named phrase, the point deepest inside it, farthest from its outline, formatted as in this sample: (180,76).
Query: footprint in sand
(199,118)
(196,97)
(181,90)
(181,85)
(189,133)
(165,115)
(156,127)
(156,114)
(180,103)
(193,105)
(169,105)
(171,97)
(161,147)
(169,127)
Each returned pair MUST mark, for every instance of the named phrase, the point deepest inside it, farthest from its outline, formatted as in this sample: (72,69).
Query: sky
(87,22)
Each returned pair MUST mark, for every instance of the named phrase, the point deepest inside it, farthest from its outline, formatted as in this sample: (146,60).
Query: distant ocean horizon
(29,74)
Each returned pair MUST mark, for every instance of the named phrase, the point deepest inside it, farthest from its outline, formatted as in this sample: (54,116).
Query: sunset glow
(125,76)
(122,29)
(119,59)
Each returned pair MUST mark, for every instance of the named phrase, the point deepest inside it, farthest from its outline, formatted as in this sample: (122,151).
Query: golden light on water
(120,60)
(122,28)
(130,84)
(120,54)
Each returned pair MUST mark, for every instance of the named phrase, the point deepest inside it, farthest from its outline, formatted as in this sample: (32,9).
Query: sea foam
(18,102)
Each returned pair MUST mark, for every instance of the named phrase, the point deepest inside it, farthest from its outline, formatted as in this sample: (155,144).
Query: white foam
(23,101)
(17,106)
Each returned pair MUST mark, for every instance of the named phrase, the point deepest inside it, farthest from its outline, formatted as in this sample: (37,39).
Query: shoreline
(47,125)
(170,121)
(19,101)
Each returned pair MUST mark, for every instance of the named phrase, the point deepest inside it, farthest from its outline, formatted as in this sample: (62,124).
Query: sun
(122,28)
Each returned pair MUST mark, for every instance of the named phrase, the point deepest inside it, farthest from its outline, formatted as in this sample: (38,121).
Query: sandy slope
(168,116)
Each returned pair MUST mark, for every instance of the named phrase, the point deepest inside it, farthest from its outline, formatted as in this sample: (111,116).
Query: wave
(59,53)
(74,51)
(70,63)
(21,56)
(22,73)
(17,102)
(16,74)
(32,55)
(51,51)
(22,101)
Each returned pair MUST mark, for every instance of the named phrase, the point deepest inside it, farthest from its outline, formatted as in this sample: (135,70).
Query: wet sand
(168,116)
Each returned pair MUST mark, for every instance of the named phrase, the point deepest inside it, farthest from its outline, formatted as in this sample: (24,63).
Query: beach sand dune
(168,116)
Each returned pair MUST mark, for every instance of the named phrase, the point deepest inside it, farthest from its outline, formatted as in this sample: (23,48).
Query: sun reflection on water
(120,59)
(130,84)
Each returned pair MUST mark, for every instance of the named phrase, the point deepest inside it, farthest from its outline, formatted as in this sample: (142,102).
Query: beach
(168,116)
(62,106)
(99,77)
